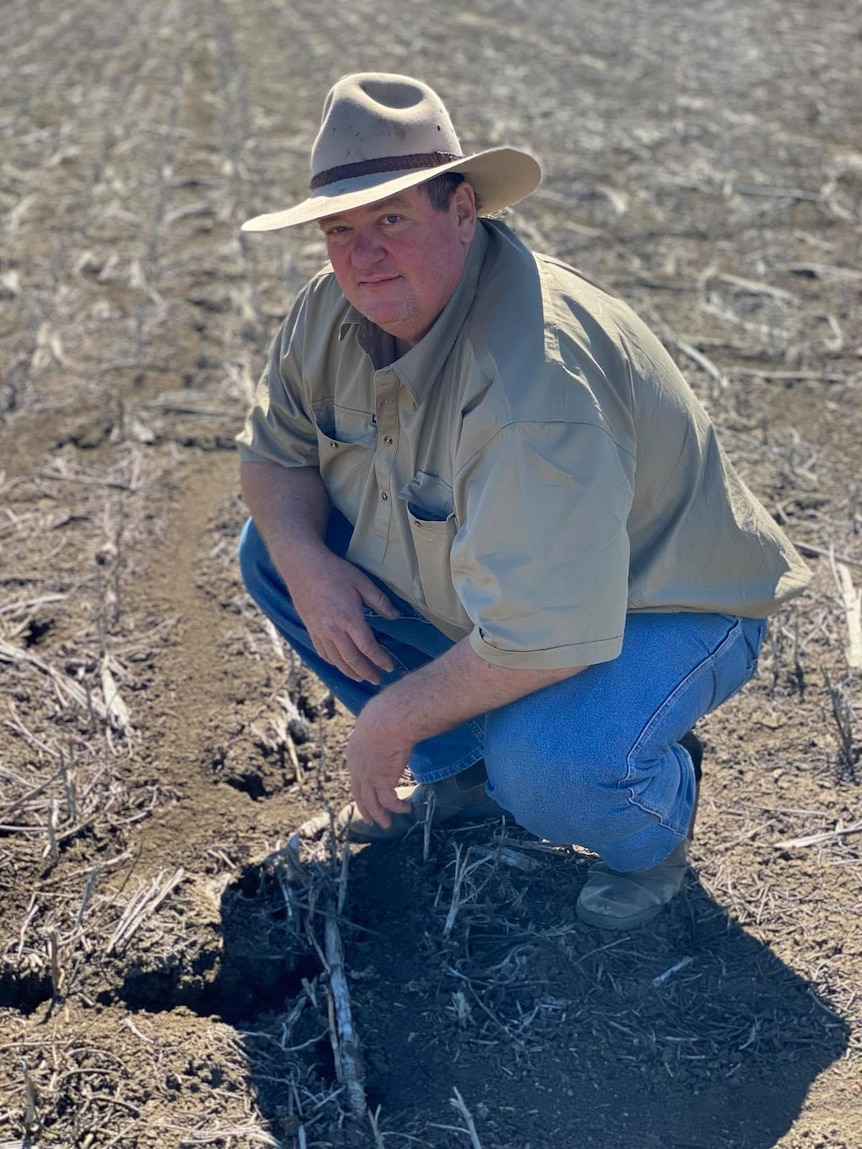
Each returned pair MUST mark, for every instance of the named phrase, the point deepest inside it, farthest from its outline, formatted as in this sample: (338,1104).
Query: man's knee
(554,783)
(570,782)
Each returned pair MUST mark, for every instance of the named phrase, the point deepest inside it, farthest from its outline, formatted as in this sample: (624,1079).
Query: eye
(334,230)
(392,217)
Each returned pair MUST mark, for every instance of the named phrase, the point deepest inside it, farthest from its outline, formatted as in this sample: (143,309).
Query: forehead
(411,197)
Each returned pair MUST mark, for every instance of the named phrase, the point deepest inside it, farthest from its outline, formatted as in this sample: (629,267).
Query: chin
(392,321)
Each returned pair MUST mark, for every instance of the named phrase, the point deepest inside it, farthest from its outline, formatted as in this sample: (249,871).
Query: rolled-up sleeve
(279,427)
(541,558)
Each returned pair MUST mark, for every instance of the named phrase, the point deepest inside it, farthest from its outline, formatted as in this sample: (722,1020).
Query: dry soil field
(168,975)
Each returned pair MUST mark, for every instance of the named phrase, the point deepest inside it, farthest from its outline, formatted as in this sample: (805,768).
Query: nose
(366,249)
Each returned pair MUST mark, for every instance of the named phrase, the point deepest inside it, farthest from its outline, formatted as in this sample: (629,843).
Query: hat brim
(500,177)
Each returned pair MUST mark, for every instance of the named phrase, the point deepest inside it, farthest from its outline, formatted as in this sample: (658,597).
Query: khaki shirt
(532,469)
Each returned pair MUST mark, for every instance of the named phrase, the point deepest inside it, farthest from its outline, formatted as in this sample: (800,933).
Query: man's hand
(291,508)
(329,597)
(376,759)
(440,695)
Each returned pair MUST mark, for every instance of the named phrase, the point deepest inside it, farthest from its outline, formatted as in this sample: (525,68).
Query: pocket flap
(429,499)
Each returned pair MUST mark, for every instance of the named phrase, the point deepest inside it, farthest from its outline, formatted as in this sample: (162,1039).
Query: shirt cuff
(249,454)
(552,658)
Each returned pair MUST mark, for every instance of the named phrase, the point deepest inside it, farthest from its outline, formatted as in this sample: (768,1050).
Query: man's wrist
(301,559)
(389,719)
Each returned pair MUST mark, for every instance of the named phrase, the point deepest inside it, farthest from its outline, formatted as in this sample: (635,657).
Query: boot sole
(600,921)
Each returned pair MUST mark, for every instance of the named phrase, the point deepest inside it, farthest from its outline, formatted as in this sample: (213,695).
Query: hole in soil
(269,776)
(24,990)
(259,965)
(324,1061)
(36,630)
(246,989)
(239,992)
(247,783)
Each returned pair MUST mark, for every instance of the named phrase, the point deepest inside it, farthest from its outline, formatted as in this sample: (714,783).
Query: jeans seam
(696,672)
(403,666)
(453,768)
(370,613)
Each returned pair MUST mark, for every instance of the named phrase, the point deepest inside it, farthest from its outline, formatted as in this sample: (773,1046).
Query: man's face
(398,261)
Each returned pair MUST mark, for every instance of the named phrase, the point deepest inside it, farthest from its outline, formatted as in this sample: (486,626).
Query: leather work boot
(613,900)
(458,799)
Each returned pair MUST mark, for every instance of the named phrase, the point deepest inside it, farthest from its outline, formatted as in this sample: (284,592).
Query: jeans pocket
(732,663)
(754,630)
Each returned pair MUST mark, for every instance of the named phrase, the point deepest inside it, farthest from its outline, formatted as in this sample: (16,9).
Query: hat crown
(372,116)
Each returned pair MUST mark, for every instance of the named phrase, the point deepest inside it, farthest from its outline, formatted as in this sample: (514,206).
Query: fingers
(373,596)
(346,657)
(368,645)
(372,810)
(376,757)
(355,652)
(395,804)
(375,803)
(360,657)
(338,627)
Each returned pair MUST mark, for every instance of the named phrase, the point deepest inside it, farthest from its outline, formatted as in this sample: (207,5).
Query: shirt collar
(420,366)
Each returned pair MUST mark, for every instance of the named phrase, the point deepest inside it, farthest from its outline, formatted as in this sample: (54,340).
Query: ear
(464,207)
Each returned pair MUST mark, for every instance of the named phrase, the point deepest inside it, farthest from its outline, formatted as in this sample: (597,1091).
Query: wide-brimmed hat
(382,133)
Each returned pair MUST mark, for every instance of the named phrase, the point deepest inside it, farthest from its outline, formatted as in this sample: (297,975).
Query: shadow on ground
(468,971)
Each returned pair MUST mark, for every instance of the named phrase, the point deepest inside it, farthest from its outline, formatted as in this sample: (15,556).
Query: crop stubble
(162,968)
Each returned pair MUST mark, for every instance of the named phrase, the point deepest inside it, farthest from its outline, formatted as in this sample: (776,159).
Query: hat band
(384,164)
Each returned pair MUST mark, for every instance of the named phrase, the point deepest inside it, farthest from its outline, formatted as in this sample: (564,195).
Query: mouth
(378,281)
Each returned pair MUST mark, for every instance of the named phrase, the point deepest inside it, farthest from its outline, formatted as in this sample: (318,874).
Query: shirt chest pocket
(433,526)
(346,440)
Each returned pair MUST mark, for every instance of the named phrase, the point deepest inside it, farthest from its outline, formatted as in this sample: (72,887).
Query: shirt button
(384,497)
(332,443)
(388,439)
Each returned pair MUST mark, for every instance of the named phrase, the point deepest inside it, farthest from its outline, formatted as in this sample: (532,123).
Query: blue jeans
(594,759)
